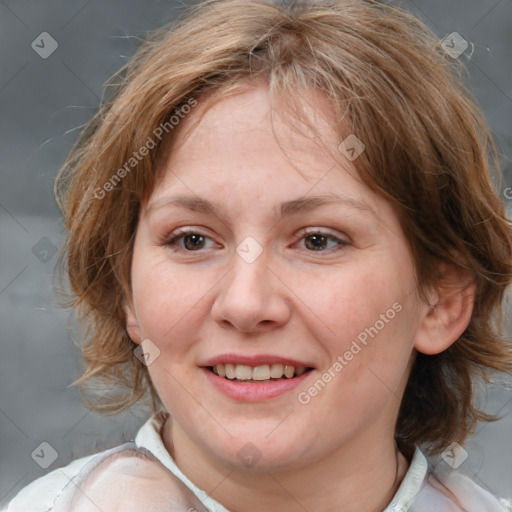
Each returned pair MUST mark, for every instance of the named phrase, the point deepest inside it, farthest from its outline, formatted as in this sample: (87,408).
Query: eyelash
(180,233)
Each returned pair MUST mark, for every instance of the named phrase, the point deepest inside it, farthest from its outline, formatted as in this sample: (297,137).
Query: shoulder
(466,494)
(452,490)
(428,486)
(41,494)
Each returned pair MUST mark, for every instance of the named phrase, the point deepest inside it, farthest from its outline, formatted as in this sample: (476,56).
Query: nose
(253,297)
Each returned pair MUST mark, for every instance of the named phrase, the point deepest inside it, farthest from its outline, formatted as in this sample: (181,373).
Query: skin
(292,301)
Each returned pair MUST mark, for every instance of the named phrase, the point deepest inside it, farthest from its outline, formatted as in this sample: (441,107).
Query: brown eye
(316,242)
(319,241)
(191,241)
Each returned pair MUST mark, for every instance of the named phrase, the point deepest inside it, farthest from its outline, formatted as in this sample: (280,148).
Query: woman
(282,227)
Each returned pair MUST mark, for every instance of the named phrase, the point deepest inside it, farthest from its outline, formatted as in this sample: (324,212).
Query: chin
(260,454)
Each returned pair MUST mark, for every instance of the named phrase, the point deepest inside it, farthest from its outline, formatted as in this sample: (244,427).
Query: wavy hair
(428,152)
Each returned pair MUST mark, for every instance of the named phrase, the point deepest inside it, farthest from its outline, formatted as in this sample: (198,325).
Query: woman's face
(275,269)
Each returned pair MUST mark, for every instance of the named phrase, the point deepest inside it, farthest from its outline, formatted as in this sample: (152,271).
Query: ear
(132,327)
(449,312)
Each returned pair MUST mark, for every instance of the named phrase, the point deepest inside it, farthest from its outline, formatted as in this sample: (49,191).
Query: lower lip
(252,391)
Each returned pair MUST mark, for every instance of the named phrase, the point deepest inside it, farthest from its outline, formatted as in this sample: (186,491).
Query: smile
(264,372)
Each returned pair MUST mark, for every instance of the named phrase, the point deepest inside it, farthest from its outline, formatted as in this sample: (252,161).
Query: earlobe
(448,316)
(132,326)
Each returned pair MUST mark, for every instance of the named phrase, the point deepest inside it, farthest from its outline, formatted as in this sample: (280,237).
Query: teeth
(243,372)
(230,370)
(262,372)
(289,371)
(276,371)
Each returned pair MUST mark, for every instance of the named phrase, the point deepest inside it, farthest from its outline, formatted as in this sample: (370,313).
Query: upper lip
(257,360)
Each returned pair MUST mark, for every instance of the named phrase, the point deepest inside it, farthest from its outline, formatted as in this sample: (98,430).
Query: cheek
(369,317)
(166,299)
(355,299)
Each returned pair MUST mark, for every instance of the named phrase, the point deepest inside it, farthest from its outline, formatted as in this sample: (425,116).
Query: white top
(149,483)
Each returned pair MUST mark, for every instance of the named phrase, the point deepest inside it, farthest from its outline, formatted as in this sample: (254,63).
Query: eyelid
(311,230)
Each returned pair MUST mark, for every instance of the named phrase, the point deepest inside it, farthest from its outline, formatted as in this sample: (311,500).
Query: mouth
(255,378)
(260,374)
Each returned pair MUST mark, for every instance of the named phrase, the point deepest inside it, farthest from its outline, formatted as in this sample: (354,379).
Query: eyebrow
(285,209)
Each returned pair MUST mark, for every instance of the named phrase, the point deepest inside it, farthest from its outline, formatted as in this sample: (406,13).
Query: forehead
(240,150)
(218,127)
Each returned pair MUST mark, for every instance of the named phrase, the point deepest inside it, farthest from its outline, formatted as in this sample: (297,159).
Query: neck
(363,477)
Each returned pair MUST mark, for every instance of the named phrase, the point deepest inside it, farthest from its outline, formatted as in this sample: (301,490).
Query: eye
(316,240)
(192,240)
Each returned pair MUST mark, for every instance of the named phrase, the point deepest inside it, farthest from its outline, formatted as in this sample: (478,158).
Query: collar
(150,438)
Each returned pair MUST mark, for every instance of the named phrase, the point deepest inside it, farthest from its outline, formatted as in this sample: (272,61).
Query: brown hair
(428,152)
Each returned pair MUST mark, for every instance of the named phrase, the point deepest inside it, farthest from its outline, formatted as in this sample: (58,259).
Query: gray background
(42,102)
